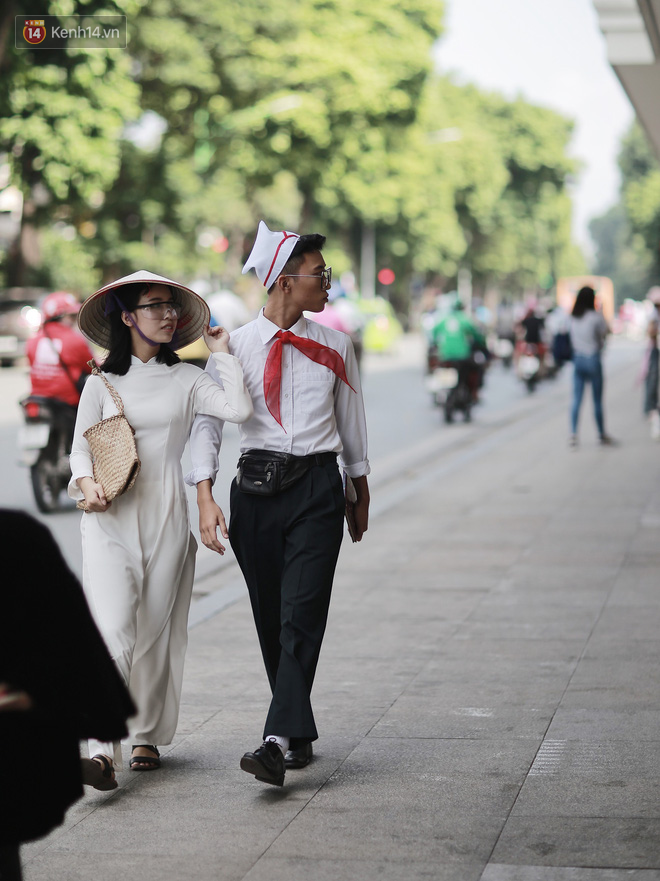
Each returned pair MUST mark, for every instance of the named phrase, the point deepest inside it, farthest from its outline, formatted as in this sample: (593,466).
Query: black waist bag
(267,473)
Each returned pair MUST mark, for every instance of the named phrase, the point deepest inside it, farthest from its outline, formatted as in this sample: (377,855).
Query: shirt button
(286,396)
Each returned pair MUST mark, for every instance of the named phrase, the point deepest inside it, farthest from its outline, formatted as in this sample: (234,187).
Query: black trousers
(287,547)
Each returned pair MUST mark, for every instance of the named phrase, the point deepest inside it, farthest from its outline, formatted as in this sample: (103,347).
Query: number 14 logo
(34,31)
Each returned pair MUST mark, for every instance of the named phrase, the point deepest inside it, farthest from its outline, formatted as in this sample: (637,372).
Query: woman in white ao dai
(138,550)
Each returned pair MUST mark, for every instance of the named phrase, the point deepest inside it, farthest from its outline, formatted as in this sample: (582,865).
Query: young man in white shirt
(308,410)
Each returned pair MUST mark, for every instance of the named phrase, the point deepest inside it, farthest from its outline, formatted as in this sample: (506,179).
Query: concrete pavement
(487,695)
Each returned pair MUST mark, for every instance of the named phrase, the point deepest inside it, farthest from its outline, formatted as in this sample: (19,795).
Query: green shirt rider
(456,335)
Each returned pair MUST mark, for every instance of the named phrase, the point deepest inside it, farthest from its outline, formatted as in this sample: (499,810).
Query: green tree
(526,241)
(295,110)
(61,117)
(322,115)
(482,185)
(640,172)
(627,236)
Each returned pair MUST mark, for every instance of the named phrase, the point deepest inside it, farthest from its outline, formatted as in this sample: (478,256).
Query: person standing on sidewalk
(287,502)
(588,331)
(138,550)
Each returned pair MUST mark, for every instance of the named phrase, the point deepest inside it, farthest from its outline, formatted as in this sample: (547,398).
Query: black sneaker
(266,763)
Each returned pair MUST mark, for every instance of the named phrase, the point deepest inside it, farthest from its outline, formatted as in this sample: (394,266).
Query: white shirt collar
(267,329)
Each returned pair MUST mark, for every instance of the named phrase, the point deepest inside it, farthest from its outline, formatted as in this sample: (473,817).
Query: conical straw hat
(195,315)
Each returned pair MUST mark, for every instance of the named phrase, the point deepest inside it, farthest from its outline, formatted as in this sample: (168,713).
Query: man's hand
(210,518)
(361,509)
(217,339)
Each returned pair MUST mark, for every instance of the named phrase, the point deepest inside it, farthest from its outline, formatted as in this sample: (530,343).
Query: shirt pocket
(315,393)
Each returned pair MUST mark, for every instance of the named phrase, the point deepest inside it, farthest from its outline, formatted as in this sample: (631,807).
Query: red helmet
(58,304)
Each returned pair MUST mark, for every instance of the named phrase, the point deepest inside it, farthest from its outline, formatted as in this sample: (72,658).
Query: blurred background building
(632,36)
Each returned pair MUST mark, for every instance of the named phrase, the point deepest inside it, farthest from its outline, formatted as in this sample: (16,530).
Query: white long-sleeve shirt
(319,412)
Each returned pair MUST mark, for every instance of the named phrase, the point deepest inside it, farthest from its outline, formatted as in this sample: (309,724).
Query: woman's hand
(217,339)
(94,496)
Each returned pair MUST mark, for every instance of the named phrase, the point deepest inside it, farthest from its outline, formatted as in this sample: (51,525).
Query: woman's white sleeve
(89,413)
(229,400)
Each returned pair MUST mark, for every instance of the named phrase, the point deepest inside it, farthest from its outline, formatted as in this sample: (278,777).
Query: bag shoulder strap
(113,391)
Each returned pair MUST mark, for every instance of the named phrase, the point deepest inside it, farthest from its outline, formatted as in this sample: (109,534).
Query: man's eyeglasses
(325,276)
(161,310)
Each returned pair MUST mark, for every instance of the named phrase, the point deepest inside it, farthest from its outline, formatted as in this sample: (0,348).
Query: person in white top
(287,502)
(138,550)
(588,330)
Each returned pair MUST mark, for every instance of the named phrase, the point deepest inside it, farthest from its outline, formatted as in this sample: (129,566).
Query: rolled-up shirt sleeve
(351,419)
(205,443)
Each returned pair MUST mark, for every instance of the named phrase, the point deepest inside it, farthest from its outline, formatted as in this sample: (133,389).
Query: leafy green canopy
(627,236)
(62,113)
(318,114)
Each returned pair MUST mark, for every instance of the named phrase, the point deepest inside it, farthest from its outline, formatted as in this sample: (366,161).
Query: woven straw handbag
(114,452)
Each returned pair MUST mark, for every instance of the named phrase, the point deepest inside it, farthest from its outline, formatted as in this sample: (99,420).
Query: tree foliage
(627,236)
(317,114)
(620,254)
(62,113)
(506,170)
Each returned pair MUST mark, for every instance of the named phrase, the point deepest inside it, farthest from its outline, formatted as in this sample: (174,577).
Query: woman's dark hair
(305,245)
(119,356)
(584,302)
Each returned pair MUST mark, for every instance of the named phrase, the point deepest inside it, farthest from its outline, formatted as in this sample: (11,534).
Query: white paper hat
(195,315)
(269,254)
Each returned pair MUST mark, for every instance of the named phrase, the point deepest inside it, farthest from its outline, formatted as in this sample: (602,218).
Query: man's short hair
(305,245)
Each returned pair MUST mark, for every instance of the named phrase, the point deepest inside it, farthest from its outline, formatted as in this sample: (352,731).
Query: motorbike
(530,366)
(448,386)
(503,349)
(44,443)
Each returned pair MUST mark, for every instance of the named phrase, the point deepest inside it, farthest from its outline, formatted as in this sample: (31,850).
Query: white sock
(282,742)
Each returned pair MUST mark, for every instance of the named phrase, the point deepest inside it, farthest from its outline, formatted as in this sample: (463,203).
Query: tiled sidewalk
(487,695)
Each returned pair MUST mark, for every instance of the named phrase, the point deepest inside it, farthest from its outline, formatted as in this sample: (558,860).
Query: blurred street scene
(488,689)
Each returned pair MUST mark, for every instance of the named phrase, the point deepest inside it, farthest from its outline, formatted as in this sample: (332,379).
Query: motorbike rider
(58,353)
(457,337)
(531,335)
(58,357)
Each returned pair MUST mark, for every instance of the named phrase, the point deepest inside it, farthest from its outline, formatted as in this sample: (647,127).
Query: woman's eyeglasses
(161,310)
